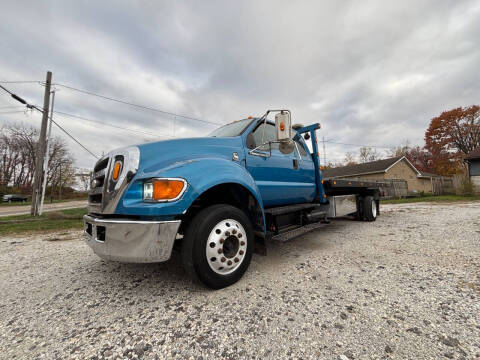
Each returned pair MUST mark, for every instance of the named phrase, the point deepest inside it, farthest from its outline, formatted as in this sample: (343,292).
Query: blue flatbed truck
(217,198)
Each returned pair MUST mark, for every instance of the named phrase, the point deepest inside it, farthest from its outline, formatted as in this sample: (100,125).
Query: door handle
(295,164)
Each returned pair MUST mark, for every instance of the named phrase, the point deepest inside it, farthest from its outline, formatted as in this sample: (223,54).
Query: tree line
(18,153)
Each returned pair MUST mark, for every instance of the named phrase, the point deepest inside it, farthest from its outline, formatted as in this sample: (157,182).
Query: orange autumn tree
(451,136)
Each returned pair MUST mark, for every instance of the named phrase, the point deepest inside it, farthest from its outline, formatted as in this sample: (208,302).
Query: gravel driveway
(404,287)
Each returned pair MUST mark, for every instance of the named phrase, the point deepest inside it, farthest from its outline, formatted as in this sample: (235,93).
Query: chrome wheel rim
(226,246)
(374,209)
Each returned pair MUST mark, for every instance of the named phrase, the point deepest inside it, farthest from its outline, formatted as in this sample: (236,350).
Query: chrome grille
(105,193)
(100,171)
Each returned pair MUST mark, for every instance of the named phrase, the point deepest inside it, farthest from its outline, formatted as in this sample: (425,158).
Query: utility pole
(37,180)
(324,153)
(47,154)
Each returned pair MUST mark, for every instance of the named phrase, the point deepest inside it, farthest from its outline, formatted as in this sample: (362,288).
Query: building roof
(372,167)
(473,155)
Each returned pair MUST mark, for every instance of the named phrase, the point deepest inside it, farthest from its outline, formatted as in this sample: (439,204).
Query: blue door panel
(279,182)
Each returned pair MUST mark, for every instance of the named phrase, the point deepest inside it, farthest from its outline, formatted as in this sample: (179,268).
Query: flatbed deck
(346,186)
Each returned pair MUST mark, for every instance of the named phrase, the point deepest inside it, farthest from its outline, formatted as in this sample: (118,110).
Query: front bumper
(130,241)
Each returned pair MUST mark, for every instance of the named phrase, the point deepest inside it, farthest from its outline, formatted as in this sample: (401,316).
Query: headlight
(163,190)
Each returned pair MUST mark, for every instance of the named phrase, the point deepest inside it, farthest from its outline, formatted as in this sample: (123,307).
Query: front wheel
(218,246)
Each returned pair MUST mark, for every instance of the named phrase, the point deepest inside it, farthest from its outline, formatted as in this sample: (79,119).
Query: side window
(268,135)
(301,149)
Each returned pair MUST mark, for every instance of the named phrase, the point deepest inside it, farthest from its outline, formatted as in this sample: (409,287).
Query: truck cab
(219,198)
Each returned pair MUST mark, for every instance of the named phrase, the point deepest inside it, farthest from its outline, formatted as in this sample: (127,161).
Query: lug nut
(229,262)
(241,252)
(220,250)
(222,241)
(223,259)
(234,231)
(239,235)
(236,260)
(227,233)
(242,243)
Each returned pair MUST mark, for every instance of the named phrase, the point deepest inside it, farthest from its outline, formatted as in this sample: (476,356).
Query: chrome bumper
(130,240)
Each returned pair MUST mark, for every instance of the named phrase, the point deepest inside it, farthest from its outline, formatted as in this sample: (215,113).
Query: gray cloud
(371,72)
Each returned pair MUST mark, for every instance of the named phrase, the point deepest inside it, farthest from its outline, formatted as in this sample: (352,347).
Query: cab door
(281,178)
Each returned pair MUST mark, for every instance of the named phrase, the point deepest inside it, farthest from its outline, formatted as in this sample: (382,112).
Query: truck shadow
(159,278)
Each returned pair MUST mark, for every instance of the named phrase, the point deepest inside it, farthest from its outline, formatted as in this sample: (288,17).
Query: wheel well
(227,193)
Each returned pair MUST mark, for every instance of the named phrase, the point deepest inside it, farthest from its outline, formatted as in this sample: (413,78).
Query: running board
(280,210)
(289,235)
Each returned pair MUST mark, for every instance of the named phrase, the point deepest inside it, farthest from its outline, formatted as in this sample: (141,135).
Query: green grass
(55,220)
(431,198)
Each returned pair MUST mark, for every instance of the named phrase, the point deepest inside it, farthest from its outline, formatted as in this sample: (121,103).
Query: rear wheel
(218,246)
(369,208)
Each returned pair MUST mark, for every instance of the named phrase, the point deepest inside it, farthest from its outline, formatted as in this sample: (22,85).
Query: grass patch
(440,198)
(55,220)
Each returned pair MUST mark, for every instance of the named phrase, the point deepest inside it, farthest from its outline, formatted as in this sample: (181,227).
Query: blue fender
(201,174)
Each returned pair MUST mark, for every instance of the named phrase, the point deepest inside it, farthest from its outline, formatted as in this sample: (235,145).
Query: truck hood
(158,157)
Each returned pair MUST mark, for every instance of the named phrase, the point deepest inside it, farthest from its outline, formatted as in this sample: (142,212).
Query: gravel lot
(404,287)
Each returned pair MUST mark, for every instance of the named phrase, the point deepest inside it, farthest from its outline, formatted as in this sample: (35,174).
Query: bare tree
(349,159)
(18,146)
(368,154)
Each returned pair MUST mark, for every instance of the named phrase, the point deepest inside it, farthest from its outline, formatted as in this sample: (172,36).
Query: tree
(18,145)
(368,154)
(349,159)
(452,135)
(419,156)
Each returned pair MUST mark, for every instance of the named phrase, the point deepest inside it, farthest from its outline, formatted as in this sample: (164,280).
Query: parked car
(14,197)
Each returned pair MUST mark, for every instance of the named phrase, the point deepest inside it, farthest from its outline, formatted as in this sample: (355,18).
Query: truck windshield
(232,129)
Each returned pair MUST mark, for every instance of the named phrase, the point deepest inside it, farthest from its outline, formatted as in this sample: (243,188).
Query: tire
(218,246)
(369,208)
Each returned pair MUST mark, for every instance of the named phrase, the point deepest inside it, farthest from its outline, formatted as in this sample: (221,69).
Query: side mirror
(283,127)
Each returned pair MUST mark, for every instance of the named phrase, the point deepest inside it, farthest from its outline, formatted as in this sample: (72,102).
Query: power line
(111,125)
(66,132)
(29,106)
(136,105)
(22,82)
(71,136)
(359,145)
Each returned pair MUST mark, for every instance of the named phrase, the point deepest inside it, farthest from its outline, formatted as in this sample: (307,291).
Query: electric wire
(78,142)
(21,82)
(53,121)
(135,105)
(359,145)
(66,132)
(160,135)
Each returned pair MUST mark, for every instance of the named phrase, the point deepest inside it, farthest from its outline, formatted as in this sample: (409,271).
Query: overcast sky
(371,72)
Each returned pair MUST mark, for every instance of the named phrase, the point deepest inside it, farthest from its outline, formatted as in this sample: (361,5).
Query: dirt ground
(404,287)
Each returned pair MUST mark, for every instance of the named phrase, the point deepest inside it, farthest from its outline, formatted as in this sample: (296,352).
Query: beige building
(393,168)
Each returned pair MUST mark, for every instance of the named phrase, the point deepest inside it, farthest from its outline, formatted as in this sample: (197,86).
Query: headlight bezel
(150,182)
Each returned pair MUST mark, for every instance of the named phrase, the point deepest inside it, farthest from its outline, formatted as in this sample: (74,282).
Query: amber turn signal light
(117,168)
(163,189)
